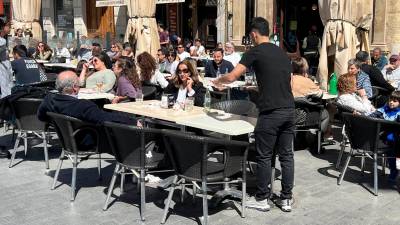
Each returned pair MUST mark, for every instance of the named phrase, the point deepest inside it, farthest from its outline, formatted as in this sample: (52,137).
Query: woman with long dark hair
(128,84)
(43,51)
(149,73)
(103,76)
(186,83)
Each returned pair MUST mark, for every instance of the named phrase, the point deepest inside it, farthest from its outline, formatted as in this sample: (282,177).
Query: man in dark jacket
(375,75)
(67,103)
(219,64)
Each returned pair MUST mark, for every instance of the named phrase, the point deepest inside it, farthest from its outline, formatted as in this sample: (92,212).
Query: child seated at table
(391,112)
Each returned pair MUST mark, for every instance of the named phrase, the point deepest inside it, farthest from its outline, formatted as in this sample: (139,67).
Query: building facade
(210,20)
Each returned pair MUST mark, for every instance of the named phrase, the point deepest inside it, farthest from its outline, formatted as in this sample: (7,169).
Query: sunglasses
(182,71)
(180,47)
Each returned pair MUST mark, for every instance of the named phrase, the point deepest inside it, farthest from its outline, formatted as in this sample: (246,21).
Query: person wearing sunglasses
(43,51)
(182,54)
(391,72)
(101,74)
(186,83)
(115,51)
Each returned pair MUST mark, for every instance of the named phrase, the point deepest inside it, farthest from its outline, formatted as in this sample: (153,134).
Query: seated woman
(186,84)
(364,87)
(101,74)
(347,88)
(43,51)
(128,84)
(149,73)
(302,86)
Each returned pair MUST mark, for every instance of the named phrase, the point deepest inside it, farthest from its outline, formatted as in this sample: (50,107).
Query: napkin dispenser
(167,101)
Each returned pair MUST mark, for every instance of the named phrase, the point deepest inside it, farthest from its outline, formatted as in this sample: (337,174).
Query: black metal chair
(379,97)
(25,111)
(238,107)
(311,121)
(149,92)
(364,134)
(128,144)
(189,156)
(79,140)
(345,140)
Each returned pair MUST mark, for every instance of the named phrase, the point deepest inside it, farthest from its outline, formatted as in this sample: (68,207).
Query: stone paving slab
(26,198)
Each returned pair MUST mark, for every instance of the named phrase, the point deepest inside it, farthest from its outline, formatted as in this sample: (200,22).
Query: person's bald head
(67,83)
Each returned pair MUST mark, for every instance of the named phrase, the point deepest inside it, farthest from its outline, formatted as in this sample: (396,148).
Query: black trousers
(275,130)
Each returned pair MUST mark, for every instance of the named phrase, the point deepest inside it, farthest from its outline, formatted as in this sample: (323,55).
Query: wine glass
(99,85)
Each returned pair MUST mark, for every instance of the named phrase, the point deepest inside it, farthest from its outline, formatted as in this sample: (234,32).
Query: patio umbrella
(347,23)
(26,15)
(142,26)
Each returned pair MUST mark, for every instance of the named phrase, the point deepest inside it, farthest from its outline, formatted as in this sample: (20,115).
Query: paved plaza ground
(26,198)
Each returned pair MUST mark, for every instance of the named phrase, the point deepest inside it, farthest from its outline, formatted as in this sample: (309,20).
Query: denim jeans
(275,131)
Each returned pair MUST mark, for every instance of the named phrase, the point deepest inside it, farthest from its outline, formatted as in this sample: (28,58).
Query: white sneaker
(285,204)
(398,163)
(261,205)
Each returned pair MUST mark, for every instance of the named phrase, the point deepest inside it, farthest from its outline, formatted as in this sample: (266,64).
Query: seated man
(378,59)
(26,70)
(197,49)
(218,65)
(375,75)
(391,72)
(230,54)
(67,103)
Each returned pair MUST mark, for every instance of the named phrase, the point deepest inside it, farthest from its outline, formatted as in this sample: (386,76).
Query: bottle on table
(207,100)
(218,74)
(333,84)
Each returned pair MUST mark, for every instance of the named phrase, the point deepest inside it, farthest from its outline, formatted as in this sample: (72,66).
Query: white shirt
(63,52)
(357,103)
(199,50)
(182,93)
(183,55)
(172,67)
(159,79)
(393,77)
(234,58)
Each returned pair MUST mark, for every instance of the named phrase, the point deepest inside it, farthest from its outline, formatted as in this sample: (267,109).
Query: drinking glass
(189,103)
(139,97)
(248,78)
(99,85)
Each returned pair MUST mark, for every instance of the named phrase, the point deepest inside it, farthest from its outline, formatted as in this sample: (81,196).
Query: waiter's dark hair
(20,50)
(261,25)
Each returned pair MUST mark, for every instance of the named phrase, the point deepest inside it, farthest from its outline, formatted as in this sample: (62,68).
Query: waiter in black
(275,124)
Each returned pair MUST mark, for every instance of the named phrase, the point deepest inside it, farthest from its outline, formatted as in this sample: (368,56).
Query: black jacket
(198,87)
(376,77)
(79,108)
(212,68)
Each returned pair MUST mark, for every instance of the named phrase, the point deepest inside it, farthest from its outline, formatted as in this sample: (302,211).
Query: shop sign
(168,1)
(106,3)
